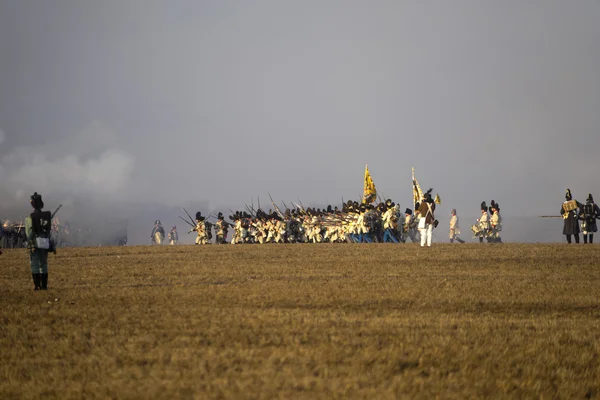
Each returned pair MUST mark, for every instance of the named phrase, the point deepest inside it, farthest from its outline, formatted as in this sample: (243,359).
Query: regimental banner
(369,192)
(417,192)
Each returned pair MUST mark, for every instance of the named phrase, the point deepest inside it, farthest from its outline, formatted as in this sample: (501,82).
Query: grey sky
(175,102)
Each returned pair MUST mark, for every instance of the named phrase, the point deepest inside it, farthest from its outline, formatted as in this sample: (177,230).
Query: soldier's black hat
(495,205)
(428,196)
(36,201)
(157,222)
(220,215)
(198,215)
(408,211)
(329,209)
(568,195)
(590,198)
(483,206)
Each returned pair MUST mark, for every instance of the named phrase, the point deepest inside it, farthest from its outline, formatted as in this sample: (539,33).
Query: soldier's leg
(429,231)
(568,239)
(591,238)
(44,268)
(577,238)
(34,262)
(585,238)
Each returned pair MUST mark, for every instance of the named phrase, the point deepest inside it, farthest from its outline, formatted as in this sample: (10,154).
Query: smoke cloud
(85,164)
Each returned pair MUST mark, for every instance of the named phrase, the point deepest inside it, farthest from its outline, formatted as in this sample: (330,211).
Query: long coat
(571,225)
(590,212)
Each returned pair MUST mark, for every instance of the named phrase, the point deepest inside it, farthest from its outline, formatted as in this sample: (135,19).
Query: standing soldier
(426,223)
(495,223)
(570,217)
(454,228)
(590,213)
(221,228)
(37,228)
(158,233)
(173,236)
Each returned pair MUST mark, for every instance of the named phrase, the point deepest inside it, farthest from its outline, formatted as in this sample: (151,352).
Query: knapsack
(589,211)
(41,224)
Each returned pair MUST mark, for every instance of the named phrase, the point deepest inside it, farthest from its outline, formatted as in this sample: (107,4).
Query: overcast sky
(176,102)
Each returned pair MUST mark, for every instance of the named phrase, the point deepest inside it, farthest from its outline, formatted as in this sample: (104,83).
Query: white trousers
(426,235)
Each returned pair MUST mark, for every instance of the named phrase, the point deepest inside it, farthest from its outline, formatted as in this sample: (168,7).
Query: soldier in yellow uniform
(200,228)
(221,228)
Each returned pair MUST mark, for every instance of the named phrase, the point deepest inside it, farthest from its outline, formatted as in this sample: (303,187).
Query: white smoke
(87,163)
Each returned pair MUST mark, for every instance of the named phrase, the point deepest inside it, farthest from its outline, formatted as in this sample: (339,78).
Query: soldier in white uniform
(495,223)
(482,227)
(454,228)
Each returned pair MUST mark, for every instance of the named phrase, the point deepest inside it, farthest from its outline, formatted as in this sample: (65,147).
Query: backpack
(589,211)
(41,224)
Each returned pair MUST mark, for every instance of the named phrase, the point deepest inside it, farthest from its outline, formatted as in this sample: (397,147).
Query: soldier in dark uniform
(37,227)
(589,213)
(569,211)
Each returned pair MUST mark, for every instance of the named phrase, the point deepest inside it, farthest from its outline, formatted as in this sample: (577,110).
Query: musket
(275,206)
(301,205)
(258,198)
(550,216)
(252,214)
(191,219)
(55,211)
(187,222)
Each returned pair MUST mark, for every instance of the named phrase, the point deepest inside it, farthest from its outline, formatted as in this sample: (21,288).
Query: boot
(44,281)
(591,238)
(577,238)
(36,281)
(584,239)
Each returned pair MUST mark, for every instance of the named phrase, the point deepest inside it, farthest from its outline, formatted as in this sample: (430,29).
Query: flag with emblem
(369,192)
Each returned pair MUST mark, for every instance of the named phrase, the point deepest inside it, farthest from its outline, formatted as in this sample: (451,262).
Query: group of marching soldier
(354,223)
(488,227)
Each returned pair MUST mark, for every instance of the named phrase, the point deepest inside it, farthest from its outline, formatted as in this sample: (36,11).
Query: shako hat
(36,201)
(484,206)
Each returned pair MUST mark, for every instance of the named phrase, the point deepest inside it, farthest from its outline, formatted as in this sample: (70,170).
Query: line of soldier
(573,213)
(488,227)
(355,223)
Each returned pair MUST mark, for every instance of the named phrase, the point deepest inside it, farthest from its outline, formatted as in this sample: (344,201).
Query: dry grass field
(304,321)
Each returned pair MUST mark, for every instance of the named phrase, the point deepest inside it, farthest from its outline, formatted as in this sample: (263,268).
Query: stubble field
(303,321)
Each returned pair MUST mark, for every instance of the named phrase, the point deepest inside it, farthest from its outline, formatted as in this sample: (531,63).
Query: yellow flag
(369,193)
(417,192)
(437,199)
